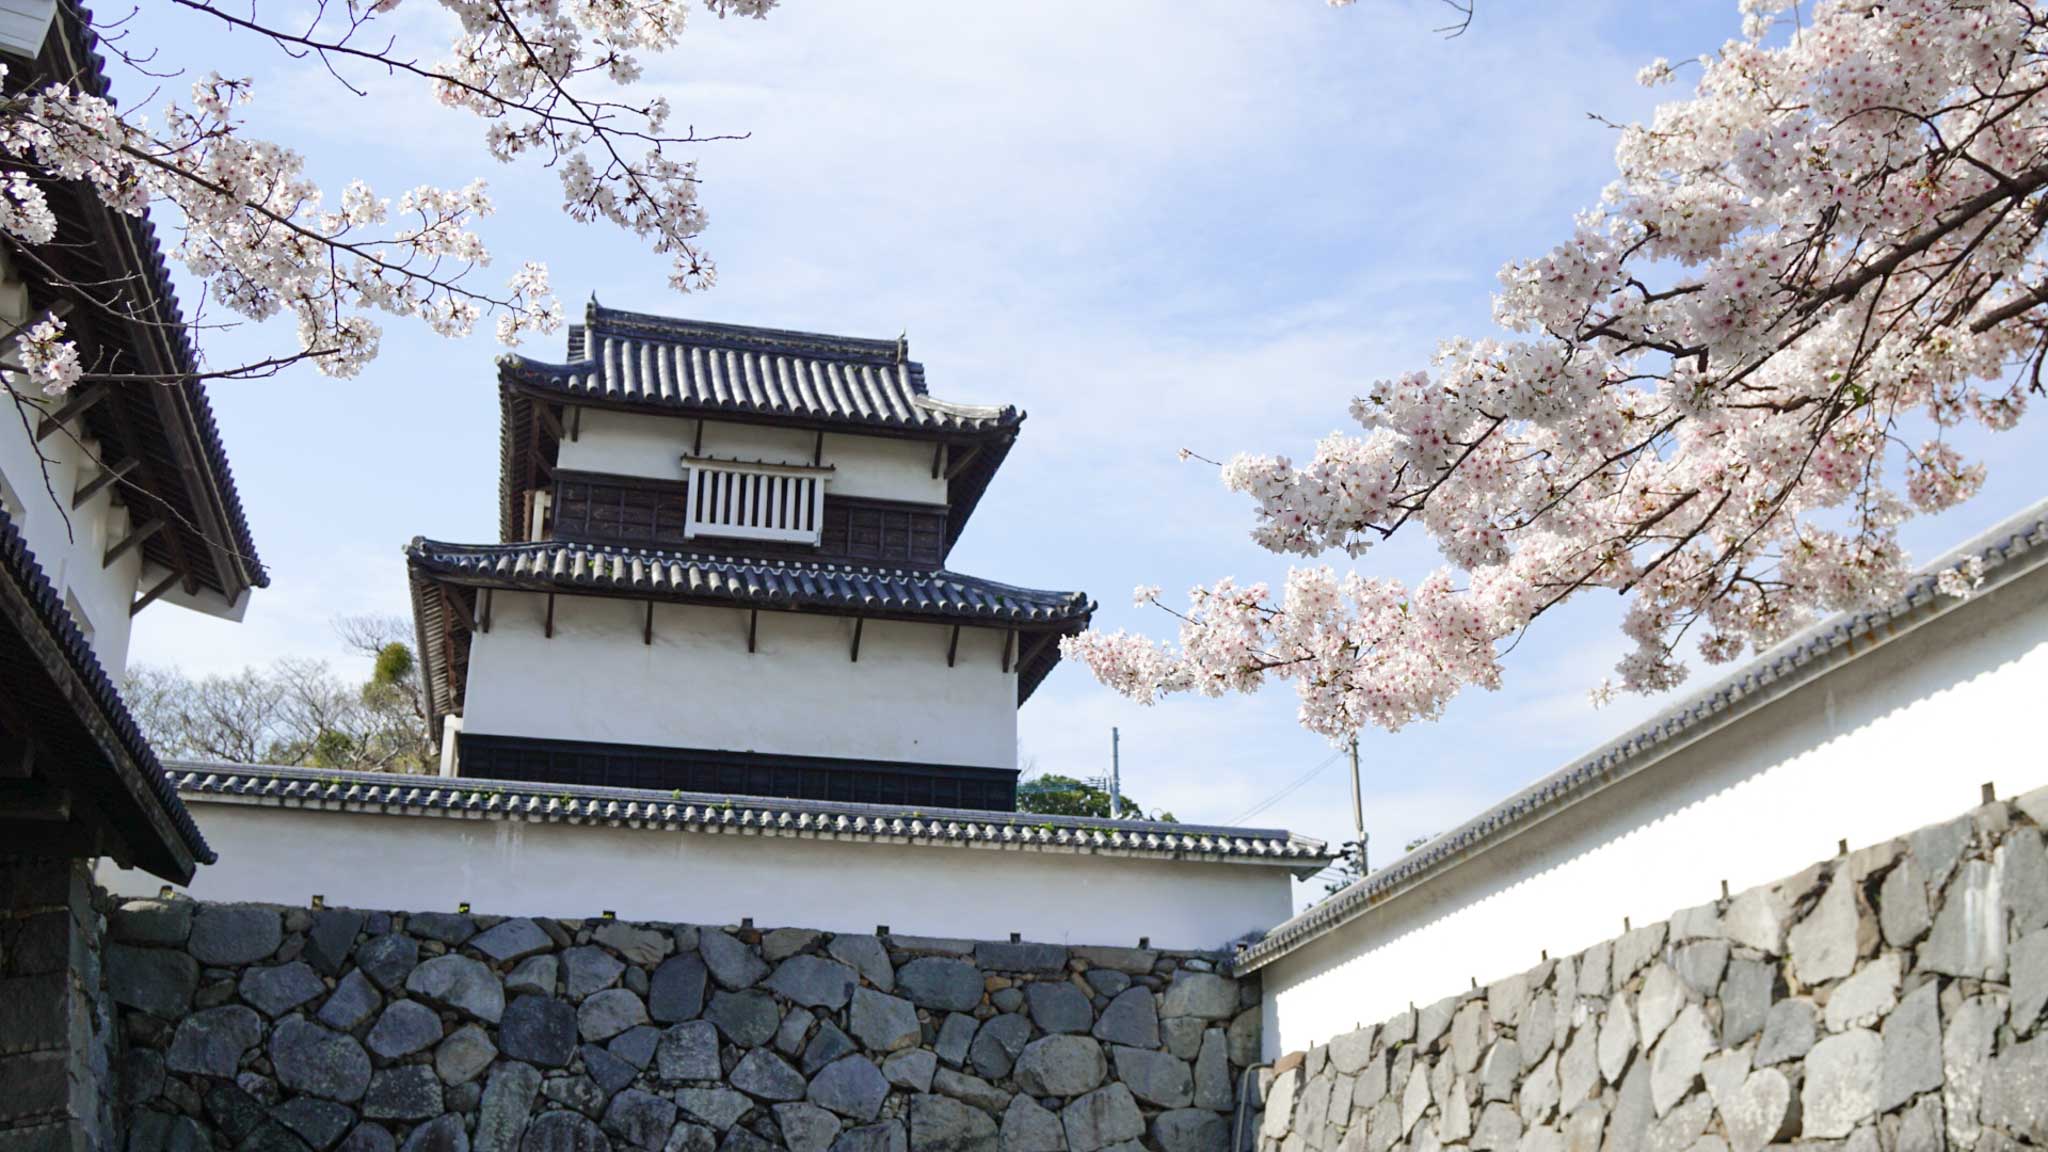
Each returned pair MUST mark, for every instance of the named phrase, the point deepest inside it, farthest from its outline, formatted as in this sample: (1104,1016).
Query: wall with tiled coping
(1891,998)
(269,1029)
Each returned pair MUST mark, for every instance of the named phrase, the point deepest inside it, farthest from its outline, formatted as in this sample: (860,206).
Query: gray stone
(1060,1066)
(970,1090)
(806,1127)
(388,959)
(688,1051)
(691,1138)
(1912,1048)
(1415,1099)
(676,992)
(464,1054)
(1101,1118)
(1966,1045)
(1761,1112)
(2022,863)
(1658,1004)
(141,1075)
(368,1138)
(231,935)
(1676,1060)
(1540,1092)
(1498,1130)
(1700,965)
(1842,1074)
(211,1042)
(311,1059)
(1029,1127)
(1635,949)
(1470,1033)
(731,962)
(1789,1030)
(782,943)
(1499,1071)
(1628,1124)
(508,1100)
(1213,1085)
(407,1092)
(608,1071)
(1579,1076)
(1011,956)
(1746,994)
(766,1076)
(605,1014)
(719,1107)
(1155,1077)
(1902,913)
(740,1139)
(1106,981)
(510,940)
(814,981)
(635,1045)
(1937,848)
(354,1000)
(158,981)
(1182,1035)
(564,1132)
(1279,1104)
(1617,1045)
(330,939)
(638,945)
(587,969)
(1190,1130)
(1058,1006)
(1132,1018)
(539,1030)
(1129,961)
(2029,981)
(1200,994)
(320,1123)
(956,1034)
(1536,1031)
(912,1068)
(748,1018)
(793,1031)
(996,1047)
(887,1136)
(1920,1127)
(405,1027)
(941,1125)
(152,922)
(1681,1127)
(450,928)
(883,1023)
(1505,999)
(641,1119)
(461,984)
(827,1045)
(939,983)
(2016,1093)
(1594,966)
(277,990)
(1968,938)
(1864,998)
(441,1134)
(578,1092)
(535,975)
(850,1086)
(1246,1033)
(865,955)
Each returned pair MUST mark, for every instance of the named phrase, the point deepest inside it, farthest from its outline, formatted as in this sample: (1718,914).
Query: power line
(1291,788)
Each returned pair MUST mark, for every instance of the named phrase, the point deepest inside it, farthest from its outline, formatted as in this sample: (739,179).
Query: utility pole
(1357,805)
(1116,777)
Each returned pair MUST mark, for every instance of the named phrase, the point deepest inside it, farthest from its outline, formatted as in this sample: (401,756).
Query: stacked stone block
(267,1029)
(1890,999)
(56,1024)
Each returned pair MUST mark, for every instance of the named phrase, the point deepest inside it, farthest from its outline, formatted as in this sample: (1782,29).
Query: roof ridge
(753,338)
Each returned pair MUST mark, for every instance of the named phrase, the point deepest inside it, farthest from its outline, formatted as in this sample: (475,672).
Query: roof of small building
(85,741)
(461,798)
(2007,551)
(691,368)
(740,582)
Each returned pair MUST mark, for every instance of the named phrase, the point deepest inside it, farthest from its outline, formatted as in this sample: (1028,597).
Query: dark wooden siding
(649,514)
(530,760)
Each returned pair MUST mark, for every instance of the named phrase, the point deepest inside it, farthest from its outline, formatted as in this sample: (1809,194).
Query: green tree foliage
(1051,794)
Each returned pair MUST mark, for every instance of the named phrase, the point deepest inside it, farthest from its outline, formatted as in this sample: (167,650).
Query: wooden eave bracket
(73,406)
(127,543)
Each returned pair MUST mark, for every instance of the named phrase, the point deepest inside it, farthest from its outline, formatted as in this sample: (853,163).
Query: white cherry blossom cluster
(1720,397)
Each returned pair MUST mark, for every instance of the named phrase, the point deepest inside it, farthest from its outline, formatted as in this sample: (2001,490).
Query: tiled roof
(696,368)
(76,709)
(369,792)
(2007,551)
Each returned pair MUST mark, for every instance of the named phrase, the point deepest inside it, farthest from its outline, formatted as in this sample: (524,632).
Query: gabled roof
(694,369)
(728,581)
(463,798)
(88,757)
(164,435)
(2009,551)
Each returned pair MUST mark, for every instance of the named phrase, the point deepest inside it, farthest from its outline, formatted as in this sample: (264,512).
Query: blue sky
(1152,224)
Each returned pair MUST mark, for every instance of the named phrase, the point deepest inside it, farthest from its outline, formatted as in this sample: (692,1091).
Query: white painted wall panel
(511,867)
(697,686)
(1876,748)
(638,444)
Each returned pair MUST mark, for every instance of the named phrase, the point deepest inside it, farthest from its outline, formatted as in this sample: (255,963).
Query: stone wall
(56,1023)
(267,1029)
(1891,998)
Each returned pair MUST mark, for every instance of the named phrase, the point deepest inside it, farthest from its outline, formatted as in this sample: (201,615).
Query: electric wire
(1291,788)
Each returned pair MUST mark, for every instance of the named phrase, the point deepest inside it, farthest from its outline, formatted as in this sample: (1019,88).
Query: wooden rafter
(1009,647)
(135,537)
(953,646)
(858,622)
(99,483)
(550,629)
(73,406)
(158,589)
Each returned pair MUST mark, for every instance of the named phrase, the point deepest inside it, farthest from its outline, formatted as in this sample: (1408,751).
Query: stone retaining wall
(56,1024)
(267,1029)
(1891,998)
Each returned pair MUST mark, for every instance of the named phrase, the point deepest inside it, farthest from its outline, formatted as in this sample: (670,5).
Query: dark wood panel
(649,514)
(530,760)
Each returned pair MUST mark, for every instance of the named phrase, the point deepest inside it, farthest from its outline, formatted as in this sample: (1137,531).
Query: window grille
(754,501)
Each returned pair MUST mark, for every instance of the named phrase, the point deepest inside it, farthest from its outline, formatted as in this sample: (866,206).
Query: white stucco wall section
(649,446)
(1872,749)
(508,867)
(799,693)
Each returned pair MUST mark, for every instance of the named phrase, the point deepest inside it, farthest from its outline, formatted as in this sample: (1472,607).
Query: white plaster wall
(799,693)
(1883,745)
(512,867)
(639,444)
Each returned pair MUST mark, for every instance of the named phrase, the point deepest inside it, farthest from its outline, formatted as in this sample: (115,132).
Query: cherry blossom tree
(1721,396)
(550,81)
